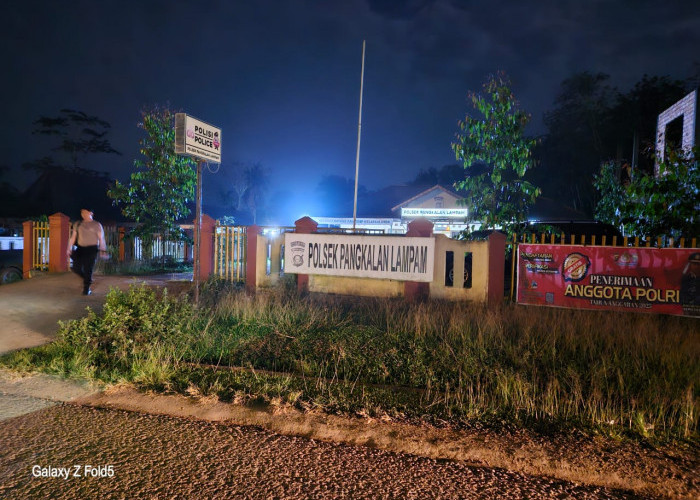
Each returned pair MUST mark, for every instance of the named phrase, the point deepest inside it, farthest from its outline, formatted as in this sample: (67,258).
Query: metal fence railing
(134,248)
(40,247)
(230,252)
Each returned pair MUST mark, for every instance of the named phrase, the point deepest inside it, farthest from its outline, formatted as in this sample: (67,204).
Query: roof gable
(437,190)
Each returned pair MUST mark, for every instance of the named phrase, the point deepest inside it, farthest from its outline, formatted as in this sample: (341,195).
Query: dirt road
(118,454)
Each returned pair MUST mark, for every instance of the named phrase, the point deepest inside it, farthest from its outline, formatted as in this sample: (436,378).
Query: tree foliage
(241,189)
(336,195)
(163,184)
(577,139)
(593,122)
(78,132)
(257,180)
(447,175)
(667,204)
(11,202)
(496,155)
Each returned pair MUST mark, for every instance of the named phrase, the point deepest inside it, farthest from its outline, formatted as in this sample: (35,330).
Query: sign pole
(202,141)
(197,232)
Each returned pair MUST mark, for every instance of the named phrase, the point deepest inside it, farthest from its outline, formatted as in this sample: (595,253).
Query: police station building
(391,209)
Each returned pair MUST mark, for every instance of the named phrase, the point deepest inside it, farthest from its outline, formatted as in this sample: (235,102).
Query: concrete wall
(365,287)
(480,270)
(487,270)
(687,108)
(487,273)
(268,248)
(11,242)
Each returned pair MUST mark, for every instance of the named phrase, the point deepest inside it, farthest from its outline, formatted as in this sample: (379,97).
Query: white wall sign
(451,213)
(381,257)
(340,221)
(197,138)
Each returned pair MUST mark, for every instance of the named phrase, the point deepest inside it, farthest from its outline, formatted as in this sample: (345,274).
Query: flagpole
(359,130)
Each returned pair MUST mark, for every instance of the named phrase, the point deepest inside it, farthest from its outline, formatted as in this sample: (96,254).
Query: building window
(438,202)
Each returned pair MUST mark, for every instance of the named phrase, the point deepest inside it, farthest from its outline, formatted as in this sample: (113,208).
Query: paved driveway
(30,309)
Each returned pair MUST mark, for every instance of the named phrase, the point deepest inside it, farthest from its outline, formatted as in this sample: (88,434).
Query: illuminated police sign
(197,138)
(449,213)
(341,221)
(381,257)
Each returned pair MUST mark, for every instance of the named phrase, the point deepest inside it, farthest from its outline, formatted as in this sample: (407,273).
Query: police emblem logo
(297,249)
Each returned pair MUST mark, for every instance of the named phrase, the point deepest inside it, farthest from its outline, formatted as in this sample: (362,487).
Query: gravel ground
(154,456)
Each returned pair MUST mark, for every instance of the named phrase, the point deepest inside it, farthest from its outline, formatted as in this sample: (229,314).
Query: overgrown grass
(535,367)
(140,267)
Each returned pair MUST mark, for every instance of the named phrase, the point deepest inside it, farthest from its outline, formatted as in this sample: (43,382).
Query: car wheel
(10,275)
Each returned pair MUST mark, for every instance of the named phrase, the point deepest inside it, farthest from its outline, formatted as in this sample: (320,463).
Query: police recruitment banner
(659,280)
(382,257)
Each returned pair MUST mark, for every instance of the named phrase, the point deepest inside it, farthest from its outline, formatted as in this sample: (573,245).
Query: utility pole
(359,131)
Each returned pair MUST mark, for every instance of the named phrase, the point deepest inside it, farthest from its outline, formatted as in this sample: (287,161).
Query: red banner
(659,280)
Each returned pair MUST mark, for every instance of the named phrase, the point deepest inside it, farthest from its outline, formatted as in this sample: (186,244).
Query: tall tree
(446,176)
(238,186)
(10,198)
(496,155)
(593,123)
(257,180)
(634,118)
(78,132)
(578,139)
(336,195)
(163,184)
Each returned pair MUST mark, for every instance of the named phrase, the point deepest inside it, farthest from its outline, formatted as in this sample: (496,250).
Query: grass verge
(543,369)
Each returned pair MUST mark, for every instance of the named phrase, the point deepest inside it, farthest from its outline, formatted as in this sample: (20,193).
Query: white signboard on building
(347,221)
(381,257)
(197,138)
(449,213)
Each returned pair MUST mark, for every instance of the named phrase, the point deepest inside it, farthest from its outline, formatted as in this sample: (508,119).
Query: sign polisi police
(196,138)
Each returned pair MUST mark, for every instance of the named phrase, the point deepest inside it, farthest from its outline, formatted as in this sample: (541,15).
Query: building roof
(379,203)
(430,192)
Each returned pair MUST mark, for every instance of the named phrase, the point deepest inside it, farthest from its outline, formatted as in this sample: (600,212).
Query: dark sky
(281,78)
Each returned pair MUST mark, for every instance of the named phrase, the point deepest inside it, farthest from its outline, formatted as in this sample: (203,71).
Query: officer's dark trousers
(84,259)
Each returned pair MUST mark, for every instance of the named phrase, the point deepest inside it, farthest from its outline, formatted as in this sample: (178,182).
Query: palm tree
(257,180)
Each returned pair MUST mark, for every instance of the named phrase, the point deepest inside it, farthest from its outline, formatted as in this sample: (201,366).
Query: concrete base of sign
(364,287)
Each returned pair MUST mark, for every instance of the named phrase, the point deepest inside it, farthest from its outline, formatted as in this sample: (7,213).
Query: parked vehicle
(10,266)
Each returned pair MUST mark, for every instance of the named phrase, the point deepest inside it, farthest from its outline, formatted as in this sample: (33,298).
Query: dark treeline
(592,122)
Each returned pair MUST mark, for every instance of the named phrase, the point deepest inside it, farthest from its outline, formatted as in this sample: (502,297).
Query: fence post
(206,249)
(251,257)
(122,246)
(416,290)
(496,280)
(28,252)
(305,225)
(59,232)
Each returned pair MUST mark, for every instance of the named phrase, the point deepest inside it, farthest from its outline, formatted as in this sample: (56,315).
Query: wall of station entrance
(381,265)
(418,265)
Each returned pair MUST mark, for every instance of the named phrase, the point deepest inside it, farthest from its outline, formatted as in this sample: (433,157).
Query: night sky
(281,78)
